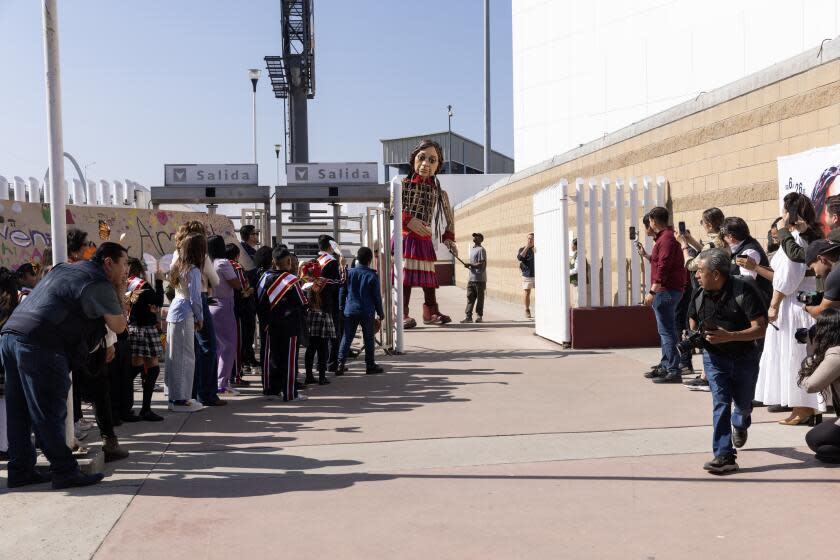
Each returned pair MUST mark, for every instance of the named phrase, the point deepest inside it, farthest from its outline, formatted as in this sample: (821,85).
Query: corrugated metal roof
(395,151)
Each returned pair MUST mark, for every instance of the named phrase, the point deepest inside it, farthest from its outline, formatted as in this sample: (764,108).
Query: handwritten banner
(25,229)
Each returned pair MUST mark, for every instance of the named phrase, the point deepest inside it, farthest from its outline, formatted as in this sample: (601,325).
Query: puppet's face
(426,162)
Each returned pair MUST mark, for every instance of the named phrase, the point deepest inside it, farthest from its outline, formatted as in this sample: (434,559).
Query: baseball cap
(481,235)
(820,247)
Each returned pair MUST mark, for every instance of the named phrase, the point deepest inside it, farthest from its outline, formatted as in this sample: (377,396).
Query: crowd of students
(760,316)
(201,319)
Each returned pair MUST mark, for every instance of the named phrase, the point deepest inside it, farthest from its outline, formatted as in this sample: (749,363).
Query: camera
(809,298)
(693,339)
(805,334)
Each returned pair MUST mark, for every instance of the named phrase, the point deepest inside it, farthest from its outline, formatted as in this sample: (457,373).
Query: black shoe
(130,417)
(739,437)
(217,402)
(150,416)
(309,379)
(35,477)
(686,370)
(76,480)
(333,368)
(778,408)
(670,378)
(696,382)
(322,380)
(721,465)
(374,369)
(340,370)
(656,372)
(827,459)
(757,404)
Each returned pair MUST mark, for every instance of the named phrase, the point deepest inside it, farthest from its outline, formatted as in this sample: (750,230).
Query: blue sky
(165,81)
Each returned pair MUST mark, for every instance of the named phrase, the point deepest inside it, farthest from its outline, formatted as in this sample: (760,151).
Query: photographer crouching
(726,318)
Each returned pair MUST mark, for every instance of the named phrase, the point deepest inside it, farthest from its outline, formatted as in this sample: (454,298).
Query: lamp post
(84,175)
(254,75)
(277,148)
(449,141)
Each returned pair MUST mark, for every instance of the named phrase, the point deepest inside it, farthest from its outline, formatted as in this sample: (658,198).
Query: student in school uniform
(280,307)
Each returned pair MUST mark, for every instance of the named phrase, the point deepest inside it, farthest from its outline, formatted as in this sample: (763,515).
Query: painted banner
(811,173)
(147,234)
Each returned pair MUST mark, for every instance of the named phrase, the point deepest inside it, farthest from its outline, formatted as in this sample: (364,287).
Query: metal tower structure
(292,76)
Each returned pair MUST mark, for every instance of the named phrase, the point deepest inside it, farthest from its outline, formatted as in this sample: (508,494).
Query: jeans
(37,385)
(205,380)
(351,323)
(731,380)
(664,307)
(475,296)
(682,325)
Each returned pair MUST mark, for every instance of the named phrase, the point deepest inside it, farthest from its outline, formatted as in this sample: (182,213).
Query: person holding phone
(711,221)
(668,279)
(782,355)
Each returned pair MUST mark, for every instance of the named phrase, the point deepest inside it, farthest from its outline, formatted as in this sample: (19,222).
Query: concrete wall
(583,68)
(719,150)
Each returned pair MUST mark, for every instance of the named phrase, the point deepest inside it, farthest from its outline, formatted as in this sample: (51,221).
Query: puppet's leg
(408,322)
(431,313)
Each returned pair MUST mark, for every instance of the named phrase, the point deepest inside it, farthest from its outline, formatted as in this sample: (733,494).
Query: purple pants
(224,323)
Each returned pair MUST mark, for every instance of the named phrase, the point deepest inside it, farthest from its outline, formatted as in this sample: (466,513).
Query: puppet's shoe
(433,316)
(409,322)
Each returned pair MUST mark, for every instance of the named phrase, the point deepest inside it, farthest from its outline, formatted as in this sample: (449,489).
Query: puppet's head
(427,158)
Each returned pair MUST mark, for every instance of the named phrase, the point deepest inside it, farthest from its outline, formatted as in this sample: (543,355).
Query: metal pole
(486,86)
(55,147)
(254,116)
(396,204)
(449,140)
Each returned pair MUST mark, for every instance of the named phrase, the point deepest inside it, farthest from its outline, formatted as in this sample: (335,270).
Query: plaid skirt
(319,323)
(145,342)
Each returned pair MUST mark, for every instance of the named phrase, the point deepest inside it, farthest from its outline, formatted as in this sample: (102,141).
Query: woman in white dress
(783,355)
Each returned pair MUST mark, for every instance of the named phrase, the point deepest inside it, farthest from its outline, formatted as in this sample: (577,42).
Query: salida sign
(210,175)
(332,173)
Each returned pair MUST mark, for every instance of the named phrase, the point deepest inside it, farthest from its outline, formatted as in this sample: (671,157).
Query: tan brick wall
(724,156)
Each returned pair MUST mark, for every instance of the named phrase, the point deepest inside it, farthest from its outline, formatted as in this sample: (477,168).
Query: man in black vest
(743,246)
(57,320)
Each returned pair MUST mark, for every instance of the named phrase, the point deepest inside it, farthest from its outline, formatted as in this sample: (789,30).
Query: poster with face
(813,174)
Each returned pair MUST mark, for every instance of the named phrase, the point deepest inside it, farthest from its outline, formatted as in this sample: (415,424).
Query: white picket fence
(94,193)
(596,244)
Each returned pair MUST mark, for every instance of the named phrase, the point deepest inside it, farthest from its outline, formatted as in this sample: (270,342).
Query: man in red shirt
(667,279)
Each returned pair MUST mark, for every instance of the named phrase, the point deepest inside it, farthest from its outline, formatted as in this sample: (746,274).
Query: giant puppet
(426,214)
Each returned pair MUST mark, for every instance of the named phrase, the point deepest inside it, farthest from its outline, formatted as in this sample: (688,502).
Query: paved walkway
(482,441)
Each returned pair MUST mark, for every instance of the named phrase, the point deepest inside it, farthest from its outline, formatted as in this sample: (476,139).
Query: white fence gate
(552,276)
(598,246)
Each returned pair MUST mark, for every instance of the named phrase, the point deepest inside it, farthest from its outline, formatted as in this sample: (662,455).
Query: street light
(449,141)
(254,76)
(277,148)
(85,175)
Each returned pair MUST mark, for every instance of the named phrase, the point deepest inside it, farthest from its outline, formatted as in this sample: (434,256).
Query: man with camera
(821,256)
(727,317)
